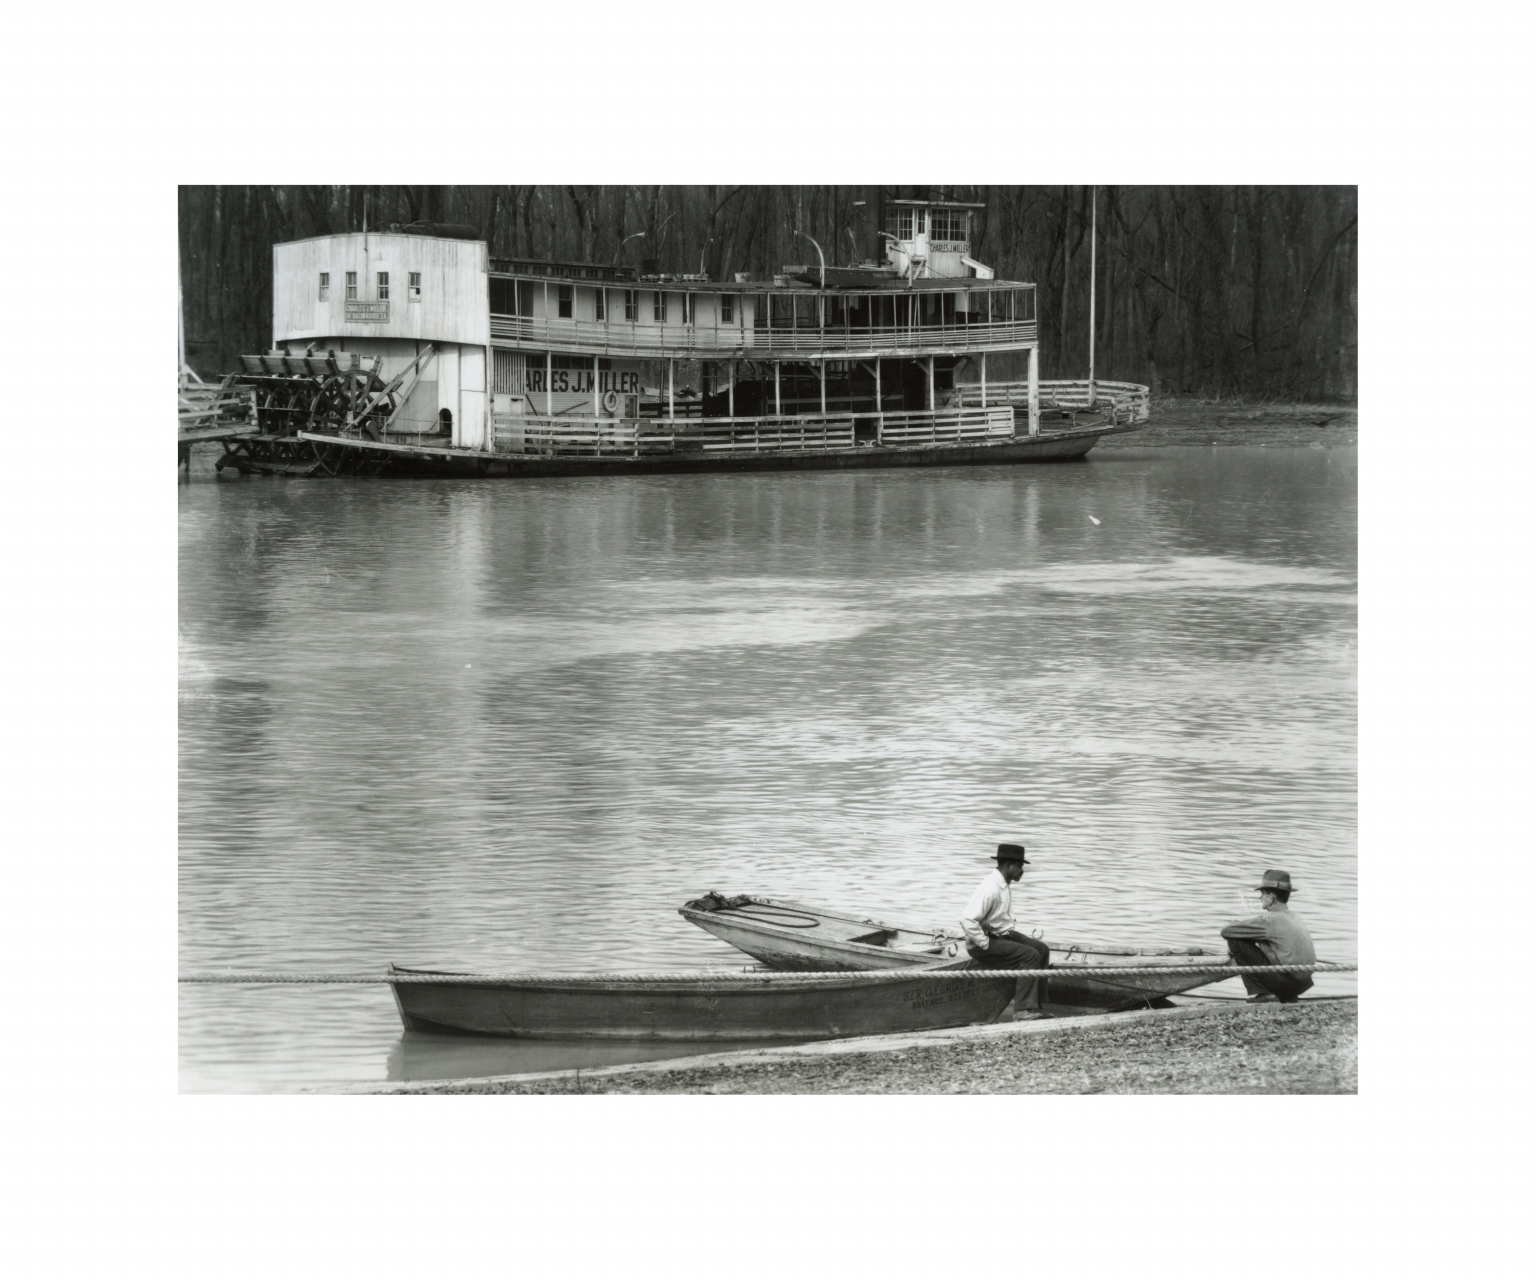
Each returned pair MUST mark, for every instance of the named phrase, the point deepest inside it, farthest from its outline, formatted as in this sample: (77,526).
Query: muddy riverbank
(1217,1048)
(1180,420)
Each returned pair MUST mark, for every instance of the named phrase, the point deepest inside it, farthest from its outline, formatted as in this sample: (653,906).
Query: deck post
(983,379)
(671,404)
(778,409)
(730,406)
(931,404)
(1034,390)
(549,373)
(1093,292)
(823,386)
(879,399)
(597,394)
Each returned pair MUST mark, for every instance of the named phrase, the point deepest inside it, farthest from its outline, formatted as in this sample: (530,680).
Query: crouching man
(1275,936)
(991,936)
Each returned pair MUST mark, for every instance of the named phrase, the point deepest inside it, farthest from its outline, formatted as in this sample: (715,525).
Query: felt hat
(1277,880)
(1011,853)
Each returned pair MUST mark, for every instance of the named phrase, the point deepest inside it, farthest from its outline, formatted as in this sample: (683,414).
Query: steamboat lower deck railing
(688,341)
(594,436)
(1125,402)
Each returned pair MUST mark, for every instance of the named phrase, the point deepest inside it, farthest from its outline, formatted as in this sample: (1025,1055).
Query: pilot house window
(383,286)
(325,285)
(727,309)
(351,285)
(413,290)
(948,224)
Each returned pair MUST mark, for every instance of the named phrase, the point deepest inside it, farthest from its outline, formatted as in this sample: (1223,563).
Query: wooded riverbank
(1201,289)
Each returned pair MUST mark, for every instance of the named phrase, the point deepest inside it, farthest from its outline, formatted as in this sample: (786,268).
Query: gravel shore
(1302,1048)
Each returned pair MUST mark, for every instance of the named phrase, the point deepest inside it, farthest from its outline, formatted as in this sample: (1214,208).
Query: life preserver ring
(611,401)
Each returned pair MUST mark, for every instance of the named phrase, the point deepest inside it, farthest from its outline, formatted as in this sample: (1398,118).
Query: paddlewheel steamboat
(411,350)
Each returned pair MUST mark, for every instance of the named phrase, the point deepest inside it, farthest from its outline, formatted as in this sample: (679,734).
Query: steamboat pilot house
(506,366)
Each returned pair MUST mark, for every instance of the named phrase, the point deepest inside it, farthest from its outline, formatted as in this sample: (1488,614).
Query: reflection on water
(419,1056)
(514,726)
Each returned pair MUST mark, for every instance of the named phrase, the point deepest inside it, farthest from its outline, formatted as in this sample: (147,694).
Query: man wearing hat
(1274,936)
(990,936)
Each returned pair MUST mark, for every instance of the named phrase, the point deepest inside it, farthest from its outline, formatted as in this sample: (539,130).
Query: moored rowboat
(709,1007)
(792,936)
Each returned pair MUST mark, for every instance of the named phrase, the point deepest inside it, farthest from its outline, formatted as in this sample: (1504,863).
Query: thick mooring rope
(692,976)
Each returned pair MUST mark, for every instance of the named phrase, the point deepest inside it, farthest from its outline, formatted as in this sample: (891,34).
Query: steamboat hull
(316,455)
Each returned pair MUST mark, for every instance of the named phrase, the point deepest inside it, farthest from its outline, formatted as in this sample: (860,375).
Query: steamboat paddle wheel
(299,397)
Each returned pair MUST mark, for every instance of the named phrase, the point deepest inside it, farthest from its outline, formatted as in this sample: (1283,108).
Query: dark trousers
(1012,950)
(1285,986)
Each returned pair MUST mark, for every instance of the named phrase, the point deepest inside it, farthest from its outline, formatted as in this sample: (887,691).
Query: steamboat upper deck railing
(685,341)
(694,318)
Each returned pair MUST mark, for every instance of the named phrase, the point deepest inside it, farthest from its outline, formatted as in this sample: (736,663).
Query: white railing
(202,404)
(1126,402)
(618,437)
(687,340)
(952,426)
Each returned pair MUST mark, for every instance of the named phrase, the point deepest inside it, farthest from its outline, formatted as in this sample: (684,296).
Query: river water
(512,726)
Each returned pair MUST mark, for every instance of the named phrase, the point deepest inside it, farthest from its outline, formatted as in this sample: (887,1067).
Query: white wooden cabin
(389,295)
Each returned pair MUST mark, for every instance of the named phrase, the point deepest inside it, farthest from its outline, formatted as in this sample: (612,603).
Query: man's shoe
(1266,998)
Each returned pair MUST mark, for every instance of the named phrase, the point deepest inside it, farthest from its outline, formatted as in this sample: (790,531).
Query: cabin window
(598,309)
(727,309)
(383,293)
(351,286)
(631,305)
(658,306)
(565,302)
(948,224)
(904,224)
(325,285)
(413,289)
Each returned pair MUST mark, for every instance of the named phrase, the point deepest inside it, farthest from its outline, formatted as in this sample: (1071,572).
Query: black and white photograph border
(795,586)
(241,1184)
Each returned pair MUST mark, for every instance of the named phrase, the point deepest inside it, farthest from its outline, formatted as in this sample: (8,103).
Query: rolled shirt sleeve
(976,910)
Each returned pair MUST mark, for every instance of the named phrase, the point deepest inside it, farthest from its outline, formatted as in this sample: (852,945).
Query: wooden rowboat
(1081,979)
(739,1006)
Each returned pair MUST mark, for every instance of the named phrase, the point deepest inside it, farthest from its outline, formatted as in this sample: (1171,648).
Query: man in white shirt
(991,937)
